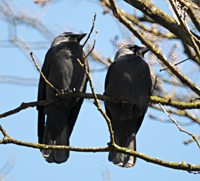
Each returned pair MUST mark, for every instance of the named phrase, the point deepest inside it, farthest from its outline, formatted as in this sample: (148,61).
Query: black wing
(42,96)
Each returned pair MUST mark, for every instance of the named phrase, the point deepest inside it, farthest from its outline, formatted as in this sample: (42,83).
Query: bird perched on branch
(64,72)
(128,80)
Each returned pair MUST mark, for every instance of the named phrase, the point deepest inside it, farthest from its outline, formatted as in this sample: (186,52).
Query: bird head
(67,36)
(131,49)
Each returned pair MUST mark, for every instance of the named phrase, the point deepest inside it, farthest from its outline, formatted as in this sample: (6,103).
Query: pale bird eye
(133,49)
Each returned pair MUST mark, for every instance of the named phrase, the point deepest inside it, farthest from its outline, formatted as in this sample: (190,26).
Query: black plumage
(128,80)
(62,70)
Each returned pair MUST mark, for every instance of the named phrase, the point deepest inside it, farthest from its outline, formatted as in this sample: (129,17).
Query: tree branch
(96,102)
(160,17)
(184,79)
(182,130)
(175,165)
(93,23)
(45,79)
(136,21)
(183,23)
(190,140)
(153,99)
(193,15)
(180,113)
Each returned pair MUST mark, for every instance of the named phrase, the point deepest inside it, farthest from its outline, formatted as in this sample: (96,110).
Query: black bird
(62,70)
(128,80)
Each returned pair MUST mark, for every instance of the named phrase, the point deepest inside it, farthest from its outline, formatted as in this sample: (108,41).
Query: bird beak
(144,50)
(80,36)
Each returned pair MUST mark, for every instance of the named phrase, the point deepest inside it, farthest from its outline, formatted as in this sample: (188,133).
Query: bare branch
(24,106)
(191,140)
(181,19)
(3,131)
(93,23)
(160,17)
(179,63)
(175,165)
(137,20)
(38,68)
(153,99)
(184,79)
(96,102)
(92,46)
(182,130)
(193,16)
(180,113)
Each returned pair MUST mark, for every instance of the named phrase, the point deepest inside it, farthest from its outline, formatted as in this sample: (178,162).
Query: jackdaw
(128,80)
(63,71)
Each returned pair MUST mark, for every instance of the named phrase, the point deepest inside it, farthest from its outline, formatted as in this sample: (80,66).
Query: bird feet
(67,91)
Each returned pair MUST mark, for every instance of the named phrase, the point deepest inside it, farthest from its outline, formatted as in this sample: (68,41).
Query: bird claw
(66,91)
(75,90)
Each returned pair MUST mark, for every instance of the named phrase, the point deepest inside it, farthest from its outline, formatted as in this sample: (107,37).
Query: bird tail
(122,159)
(58,156)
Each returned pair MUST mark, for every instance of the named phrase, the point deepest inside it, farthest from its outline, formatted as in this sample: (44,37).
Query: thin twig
(153,99)
(93,23)
(175,165)
(96,102)
(38,68)
(173,82)
(3,131)
(183,78)
(96,56)
(182,130)
(190,53)
(24,106)
(178,63)
(193,15)
(195,99)
(180,113)
(7,139)
(185,26)
(190,140)
(92,46)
